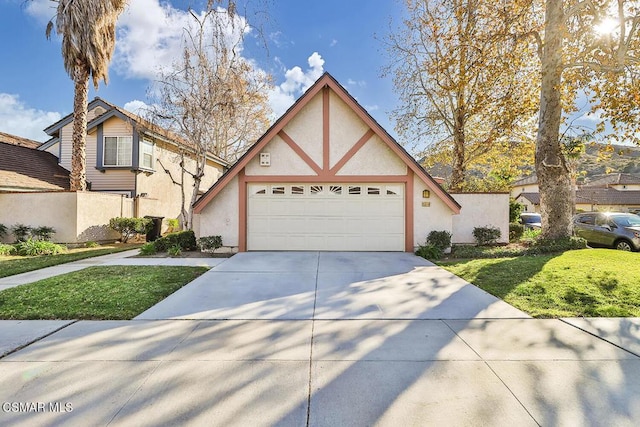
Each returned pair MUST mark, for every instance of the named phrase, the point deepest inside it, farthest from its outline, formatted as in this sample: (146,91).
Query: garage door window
(317,189)
(335,189)
(277,190)
(354,189)
(373,190)
(297,189)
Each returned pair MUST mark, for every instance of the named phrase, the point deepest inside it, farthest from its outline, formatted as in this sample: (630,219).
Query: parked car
(531,220)
(610,229)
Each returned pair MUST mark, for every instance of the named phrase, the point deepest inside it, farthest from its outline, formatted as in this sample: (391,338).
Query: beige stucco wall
(480,210)
(528,206)
(374,158)
(306,129)
(76,217)
(284,161)
(163,197)
(220,216)
(345,128)
(529,188)
(435,217)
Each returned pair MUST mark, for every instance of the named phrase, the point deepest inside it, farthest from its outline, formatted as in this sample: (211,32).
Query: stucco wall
(345,130)
(435,217)
(529,188)
(76,217)
(284,161)
(306,129)
(374,158)
(220,217)
(480,210)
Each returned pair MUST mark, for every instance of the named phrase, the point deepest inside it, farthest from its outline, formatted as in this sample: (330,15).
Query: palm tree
(88,29)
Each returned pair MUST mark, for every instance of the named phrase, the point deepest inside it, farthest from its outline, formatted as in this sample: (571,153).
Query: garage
(325,177)
(325,217)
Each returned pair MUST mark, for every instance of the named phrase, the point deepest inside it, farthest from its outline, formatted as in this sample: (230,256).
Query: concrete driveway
(329,285)
(326,339)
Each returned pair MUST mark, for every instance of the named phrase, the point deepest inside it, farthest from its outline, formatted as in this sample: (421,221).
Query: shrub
(515,231)
(428,251)
(548,246)
(148,249)
(515,209)
(21,232)
(487,235)
(209,243)
(174,250)
(439,239)
(91,244)
(43,233)
(3,230)
(7,249)
(186,240)
(32,247)
(128,227)
(173,225)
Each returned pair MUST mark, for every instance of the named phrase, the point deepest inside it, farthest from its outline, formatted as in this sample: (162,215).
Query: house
(325,176)
(128,155)
(614,193)
(24,168)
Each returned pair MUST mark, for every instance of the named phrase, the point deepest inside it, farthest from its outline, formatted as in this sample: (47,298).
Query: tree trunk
(553,174)
(78,177)
(458,173)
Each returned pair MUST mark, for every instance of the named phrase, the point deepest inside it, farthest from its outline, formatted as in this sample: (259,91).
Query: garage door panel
(320,218)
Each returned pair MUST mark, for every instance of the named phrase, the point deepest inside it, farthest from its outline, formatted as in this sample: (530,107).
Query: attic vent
(99,110)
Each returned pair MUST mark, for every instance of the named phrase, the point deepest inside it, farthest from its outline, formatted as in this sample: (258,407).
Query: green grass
(589,283)
(10,265)
(99,293)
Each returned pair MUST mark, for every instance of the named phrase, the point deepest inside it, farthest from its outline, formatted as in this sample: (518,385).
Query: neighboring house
(128,155)
(325,176)
(528,184)
(617,181)
(592,198)
(23,168)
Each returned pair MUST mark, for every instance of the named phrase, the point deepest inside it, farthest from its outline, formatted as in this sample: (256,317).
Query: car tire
(623,245)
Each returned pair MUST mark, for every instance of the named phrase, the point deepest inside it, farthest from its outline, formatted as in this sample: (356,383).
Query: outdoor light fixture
(426,194)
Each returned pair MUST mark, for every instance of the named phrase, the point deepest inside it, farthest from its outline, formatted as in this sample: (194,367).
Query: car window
(530,219)
(627,220)
(586,219)
(602,220)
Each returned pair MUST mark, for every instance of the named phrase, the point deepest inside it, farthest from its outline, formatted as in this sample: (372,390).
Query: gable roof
(143,125)
(533,198)
(595,196)
(18,140)
(326,80)
(28,169)
(527,180)
(614,179)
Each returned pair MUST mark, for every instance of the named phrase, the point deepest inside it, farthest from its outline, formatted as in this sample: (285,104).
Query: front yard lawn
(10,265)
(588,282)
(99,293)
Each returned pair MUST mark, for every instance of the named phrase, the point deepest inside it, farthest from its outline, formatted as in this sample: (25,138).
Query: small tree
(129,227)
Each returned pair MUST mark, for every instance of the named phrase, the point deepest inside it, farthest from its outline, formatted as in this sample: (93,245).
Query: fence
(76,217)
(480,210)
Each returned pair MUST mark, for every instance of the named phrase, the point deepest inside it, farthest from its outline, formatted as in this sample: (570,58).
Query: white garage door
(326,217)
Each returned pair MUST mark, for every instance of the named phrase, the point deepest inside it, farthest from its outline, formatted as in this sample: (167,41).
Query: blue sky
(338,36)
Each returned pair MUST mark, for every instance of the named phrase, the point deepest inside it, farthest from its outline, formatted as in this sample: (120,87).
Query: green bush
(515,231)
(515,209)
(209,243)
(42,233)
(148,249)
(174,250)
(128,227)
(7,249)
(428,251)
(439,239)
(91,244)
(32,247)
(186,240)
(21,232)
(548,246)
(487,235)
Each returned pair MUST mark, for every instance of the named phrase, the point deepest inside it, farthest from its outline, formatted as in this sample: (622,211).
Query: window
(317,189)
(354,189)
(335,189)
(373,190)
(297,189)
(117,151)
(277,190)
(146,154)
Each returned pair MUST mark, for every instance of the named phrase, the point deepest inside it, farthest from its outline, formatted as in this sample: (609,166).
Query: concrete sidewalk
(323,339)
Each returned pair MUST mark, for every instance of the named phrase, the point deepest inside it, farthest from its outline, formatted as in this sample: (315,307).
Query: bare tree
(213,97)
(88,30)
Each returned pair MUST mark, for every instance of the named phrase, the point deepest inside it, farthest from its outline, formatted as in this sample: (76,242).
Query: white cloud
(360,83)
(296,82)
(42,10)
(151,37)
(18,119)
(333,43)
